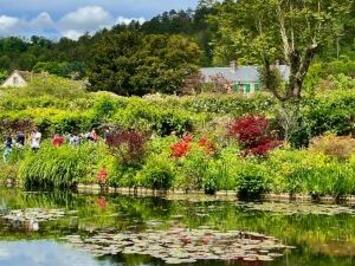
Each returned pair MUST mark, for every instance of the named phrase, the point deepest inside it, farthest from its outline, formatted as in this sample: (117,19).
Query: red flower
(101,202)
(187,138)
(57,141)
(207,145)
(180,149)
(102,176)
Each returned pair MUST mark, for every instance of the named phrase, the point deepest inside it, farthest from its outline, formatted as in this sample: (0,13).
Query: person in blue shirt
(8,148)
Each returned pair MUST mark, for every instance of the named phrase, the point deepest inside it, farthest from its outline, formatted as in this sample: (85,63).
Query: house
(18,79)
(241,78)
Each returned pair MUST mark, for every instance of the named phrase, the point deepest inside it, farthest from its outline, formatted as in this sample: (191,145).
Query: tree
(291,31)
(131,63)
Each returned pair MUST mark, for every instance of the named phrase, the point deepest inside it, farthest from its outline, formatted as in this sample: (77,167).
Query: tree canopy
(131,63)
(266,31)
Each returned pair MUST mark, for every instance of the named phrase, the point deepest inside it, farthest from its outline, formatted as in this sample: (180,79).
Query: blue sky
(72,18)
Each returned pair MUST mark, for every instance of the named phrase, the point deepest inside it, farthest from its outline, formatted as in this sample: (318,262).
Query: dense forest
(126,59)
(64,56)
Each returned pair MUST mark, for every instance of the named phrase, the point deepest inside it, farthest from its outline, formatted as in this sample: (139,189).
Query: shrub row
(283,171)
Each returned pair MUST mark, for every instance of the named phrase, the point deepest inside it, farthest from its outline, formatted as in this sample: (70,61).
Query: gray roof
(246,74)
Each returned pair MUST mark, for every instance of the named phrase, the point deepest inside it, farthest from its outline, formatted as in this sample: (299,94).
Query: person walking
(74,140)
(20,139)
(8,149)
(35,140)
(93,136)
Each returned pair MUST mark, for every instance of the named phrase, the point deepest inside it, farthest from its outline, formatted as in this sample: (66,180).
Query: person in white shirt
(35,139)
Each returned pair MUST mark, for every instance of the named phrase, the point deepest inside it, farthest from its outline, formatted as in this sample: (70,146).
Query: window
(235,87)
(257,86)
(247,88)
(15,80)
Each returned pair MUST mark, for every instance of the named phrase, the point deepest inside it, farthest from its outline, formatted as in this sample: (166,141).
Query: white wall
(15,80)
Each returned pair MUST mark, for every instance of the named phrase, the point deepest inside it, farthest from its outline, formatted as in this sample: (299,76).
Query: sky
(72,18)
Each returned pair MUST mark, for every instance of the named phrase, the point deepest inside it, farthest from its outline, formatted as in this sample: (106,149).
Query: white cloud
(87,19)
(43,21)
(9,25)
(126,21)
(72,34)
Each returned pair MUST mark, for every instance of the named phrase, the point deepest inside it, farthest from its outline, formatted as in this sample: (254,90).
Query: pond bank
(197,195)
(200,196)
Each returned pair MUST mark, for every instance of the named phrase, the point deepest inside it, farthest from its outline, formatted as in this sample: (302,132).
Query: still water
(321,236)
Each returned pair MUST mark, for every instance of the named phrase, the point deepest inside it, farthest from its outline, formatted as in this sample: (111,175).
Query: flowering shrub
(128,146)
(251,133)
(102,177)
(57,141)
(101,203)
(181,148)
(207,145)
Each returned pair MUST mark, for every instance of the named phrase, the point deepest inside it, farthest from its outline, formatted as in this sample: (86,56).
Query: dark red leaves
(128,145)
(252,133)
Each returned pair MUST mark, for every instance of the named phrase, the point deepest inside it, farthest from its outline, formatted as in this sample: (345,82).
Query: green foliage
(63,69)
(332,111)
(322,71)
(131,63)
(252,179)
(157,173)
(221,172)
(3,75)
(309,172)
(270,30)
(151,116)
(60,167)
(46,86)
(192,170)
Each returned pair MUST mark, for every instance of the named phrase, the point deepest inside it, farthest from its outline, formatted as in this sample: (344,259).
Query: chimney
(233,65)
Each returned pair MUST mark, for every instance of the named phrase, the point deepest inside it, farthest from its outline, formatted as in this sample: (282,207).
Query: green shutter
(257,87)
(247,88)
(235,87)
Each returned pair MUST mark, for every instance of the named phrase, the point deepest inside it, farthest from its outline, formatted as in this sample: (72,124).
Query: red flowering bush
(57,141)
(207,145)
(252,133)
(127,145)
(102,177)
(182,148)
(101,203)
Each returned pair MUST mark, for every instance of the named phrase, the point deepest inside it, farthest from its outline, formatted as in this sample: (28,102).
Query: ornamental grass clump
(339,147)
(62,167)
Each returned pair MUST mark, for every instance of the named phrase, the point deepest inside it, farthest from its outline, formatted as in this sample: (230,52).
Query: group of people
(75,139)
(19,142)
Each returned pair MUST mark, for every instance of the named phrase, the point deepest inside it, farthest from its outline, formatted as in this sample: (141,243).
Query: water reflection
(320,239)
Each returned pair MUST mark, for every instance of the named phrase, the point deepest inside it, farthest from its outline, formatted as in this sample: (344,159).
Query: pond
(71,229)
